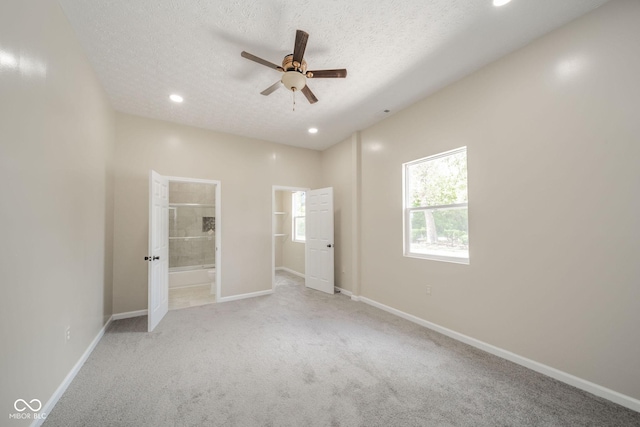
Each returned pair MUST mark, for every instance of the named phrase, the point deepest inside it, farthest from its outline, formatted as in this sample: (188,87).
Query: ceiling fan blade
(272,88)
(300,46)
(326,74)
(260,61)
(310,96)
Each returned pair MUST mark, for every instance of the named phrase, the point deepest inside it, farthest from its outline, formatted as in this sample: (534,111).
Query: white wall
(553,137)
(56,152)
(247,169)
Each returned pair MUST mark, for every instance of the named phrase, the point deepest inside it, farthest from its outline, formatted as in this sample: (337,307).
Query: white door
(158,257)
(319,240)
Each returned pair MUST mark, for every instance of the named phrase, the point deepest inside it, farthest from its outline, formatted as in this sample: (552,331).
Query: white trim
(344,292)
(598,390)
(128,314)
(51,403)
(408,210)
(435,257)
(243,296)
(355,298)
(288,270)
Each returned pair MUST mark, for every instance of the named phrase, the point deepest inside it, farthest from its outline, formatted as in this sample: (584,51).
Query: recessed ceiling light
(176,98)
(500,2)
(313,130)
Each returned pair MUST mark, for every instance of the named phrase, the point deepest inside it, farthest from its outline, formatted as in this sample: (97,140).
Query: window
(297,209)
(436,222)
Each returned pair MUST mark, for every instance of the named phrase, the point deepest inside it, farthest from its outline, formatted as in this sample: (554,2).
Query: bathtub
(180,277)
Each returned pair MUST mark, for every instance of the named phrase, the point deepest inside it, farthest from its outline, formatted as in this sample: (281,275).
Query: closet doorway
(288,246)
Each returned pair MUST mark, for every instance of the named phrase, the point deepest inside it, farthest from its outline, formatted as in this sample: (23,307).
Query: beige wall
(247,169)
(56,152)
(337,164)
(553,135)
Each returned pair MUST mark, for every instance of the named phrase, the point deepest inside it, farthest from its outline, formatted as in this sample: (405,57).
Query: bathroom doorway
(194,242)
(288,253)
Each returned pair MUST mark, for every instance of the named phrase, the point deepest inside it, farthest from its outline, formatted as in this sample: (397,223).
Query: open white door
(158,257)
(319,240)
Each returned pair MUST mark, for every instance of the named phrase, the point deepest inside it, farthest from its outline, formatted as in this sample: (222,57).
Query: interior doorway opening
(193,230)
(289,246)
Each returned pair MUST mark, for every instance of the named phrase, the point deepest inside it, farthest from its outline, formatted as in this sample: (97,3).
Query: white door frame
(218,242)
(273,227)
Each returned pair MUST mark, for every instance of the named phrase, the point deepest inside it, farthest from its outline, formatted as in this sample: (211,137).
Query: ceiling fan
(295,71)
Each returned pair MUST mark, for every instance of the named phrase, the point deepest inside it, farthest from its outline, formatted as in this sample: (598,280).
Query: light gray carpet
(303,358)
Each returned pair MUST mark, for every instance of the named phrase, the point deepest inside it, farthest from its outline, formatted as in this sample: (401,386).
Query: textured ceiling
(395,51)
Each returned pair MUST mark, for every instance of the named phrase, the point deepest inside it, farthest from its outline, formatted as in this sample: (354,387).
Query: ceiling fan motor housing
(289,65)
(294,77)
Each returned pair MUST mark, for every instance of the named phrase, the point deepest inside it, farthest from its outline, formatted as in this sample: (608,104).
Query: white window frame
(408,209)
(294,217)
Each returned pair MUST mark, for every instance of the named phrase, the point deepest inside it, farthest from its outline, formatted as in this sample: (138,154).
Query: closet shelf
(279,213)
(279,235)
(190,237)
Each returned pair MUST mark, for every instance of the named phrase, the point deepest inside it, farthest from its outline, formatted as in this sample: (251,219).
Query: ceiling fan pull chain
(294,98)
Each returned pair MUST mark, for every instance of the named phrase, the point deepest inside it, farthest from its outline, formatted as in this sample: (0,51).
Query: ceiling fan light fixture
(294,80)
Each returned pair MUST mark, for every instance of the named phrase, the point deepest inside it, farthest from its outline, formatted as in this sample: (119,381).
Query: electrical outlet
(428,289)
(67,334)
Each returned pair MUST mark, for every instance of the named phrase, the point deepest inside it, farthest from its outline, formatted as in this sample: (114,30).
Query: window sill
(433,257)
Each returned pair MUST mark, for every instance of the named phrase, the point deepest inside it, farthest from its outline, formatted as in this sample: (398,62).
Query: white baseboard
(128,314)
(598,390)
(243,296)
(344,292)
(48,407)
(288,270)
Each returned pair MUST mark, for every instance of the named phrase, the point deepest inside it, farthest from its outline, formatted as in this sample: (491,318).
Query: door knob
(148,258)
(155,258)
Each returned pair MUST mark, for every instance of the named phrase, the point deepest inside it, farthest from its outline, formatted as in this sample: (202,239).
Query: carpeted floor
(303,358)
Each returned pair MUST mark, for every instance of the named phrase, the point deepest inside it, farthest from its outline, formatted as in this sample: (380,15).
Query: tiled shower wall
(190,244)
